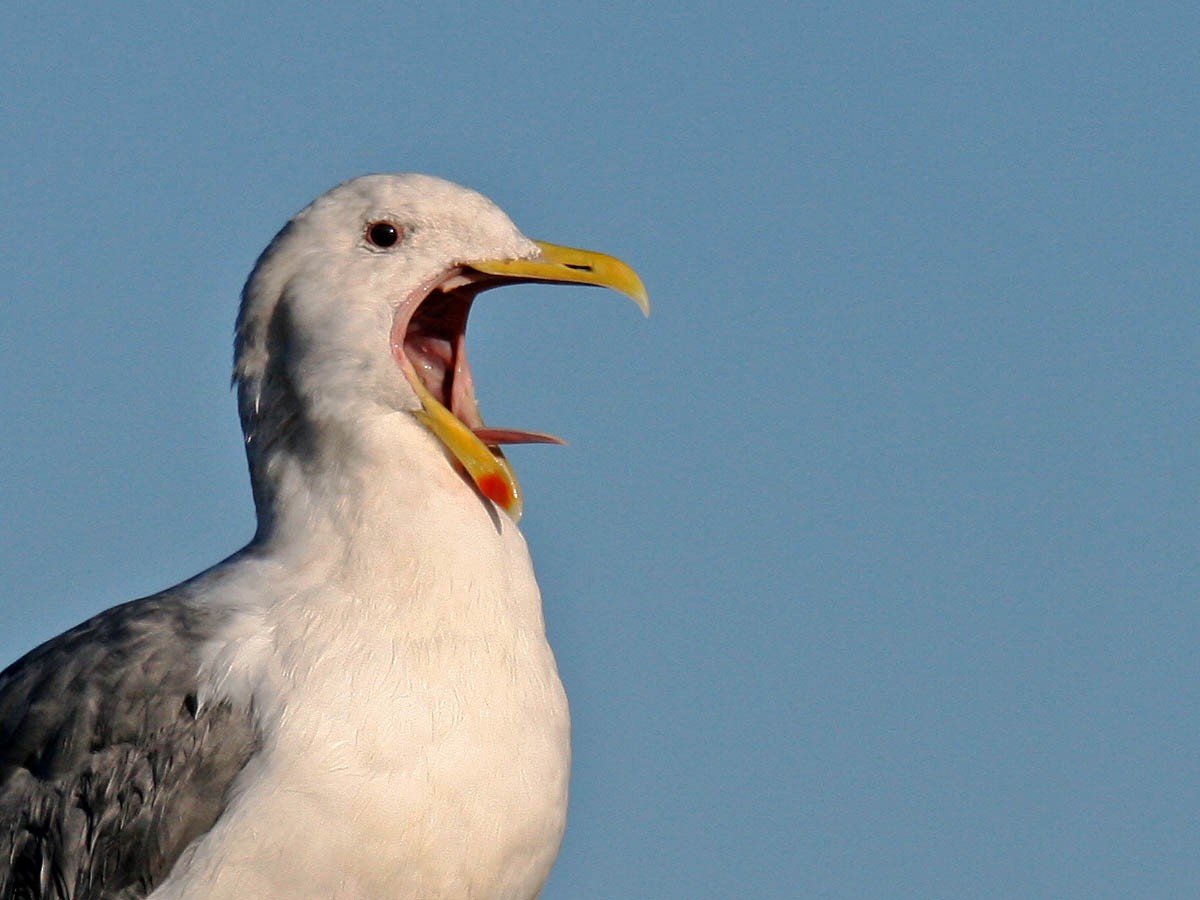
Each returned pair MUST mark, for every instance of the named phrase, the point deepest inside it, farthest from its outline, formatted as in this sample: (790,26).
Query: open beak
(457,425)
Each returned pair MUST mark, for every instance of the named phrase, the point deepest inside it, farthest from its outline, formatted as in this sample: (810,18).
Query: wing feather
(109,767)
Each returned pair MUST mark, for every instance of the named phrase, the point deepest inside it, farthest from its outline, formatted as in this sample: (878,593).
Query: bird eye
(383,234)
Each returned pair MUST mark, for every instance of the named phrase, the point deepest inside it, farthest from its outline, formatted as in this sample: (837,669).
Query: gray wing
(108,766)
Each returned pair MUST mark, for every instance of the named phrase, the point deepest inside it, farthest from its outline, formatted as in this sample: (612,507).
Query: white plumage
(417,732)
(382,636)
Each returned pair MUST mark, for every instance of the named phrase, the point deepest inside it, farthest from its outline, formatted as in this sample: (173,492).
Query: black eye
(383,234)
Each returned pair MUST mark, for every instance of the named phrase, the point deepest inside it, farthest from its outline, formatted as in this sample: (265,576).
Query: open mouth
(435,349)
(429,343)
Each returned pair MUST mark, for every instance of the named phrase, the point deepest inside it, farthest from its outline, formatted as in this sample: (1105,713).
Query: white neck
(391,644)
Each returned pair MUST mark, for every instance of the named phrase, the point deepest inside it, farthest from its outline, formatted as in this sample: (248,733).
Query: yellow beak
(567,265)
(485,463)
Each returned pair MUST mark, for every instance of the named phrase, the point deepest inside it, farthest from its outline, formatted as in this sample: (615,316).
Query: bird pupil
(383,234)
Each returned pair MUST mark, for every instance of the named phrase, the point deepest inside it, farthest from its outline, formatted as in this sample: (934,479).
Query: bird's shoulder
(109,763)
(120,675)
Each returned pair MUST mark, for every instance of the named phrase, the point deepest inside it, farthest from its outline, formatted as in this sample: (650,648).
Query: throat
(386,496)
(434,346)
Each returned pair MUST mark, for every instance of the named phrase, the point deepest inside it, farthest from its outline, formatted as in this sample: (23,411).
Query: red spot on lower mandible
(495,489)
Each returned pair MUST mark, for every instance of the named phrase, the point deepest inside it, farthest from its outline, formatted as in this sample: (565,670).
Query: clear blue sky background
(871,566)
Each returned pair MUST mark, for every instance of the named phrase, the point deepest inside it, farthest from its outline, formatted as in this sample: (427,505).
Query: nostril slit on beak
(577,267)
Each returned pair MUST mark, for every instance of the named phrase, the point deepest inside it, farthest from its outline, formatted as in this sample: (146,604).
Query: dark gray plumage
(109,767)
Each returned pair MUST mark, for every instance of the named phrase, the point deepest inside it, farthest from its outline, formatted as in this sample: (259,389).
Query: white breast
(416,731)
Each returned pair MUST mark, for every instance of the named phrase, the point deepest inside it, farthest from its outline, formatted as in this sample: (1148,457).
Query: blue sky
(871,564)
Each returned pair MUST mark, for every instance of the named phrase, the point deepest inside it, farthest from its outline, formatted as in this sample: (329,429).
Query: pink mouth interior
(435,346)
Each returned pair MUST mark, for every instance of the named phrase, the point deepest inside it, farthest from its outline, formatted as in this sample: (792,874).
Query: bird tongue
(497,436)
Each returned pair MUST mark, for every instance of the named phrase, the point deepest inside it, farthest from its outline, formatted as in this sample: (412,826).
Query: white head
(358,309)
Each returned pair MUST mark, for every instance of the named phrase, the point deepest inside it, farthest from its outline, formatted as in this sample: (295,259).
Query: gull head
(358,310)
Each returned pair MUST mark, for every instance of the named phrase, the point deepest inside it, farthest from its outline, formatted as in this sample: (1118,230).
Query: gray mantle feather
(108,767)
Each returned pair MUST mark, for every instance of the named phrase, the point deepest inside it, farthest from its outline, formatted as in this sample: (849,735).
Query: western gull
(361,703)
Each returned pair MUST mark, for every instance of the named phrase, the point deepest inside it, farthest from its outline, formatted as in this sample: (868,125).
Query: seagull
(361,703)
